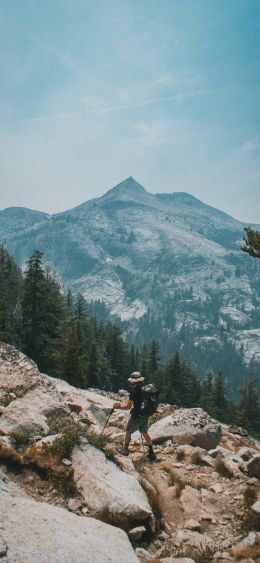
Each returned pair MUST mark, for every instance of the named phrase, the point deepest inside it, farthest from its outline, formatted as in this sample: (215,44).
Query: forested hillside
(55,328)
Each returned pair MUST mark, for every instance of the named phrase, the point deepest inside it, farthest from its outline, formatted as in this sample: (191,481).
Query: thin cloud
(122,107)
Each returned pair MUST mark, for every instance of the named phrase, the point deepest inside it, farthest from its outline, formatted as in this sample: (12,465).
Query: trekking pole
(142,443)
(106,423)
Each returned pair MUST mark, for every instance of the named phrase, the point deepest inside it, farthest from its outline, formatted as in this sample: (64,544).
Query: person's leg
(130,428)
(149,443)
(147,438)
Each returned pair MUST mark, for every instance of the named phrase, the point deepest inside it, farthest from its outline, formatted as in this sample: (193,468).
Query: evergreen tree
(252,242)
(190,386)
(219,397)
(172,381)
(11,287)
(117,353)
(94,371)
(73,359)
(34,308)
(249,408)
(153,360)
(207,394)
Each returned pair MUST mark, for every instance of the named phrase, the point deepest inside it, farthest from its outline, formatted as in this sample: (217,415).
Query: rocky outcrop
(188,426)
(33,531)
(186,504)
(107,490)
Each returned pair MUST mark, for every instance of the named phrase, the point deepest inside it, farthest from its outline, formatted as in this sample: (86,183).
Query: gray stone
(188,426)
(251,539)
(136,533)
(66,462)
(143,555)
(85,510)
(74,504)
(217,488)
(256,507)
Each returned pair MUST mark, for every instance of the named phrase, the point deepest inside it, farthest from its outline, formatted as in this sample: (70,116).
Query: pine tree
(34,308)
(207,395)
(74,360)
(117,353)
(172,381)
(94,375)
(219,397)
(190,385)
(153,360)
(11,287)
(252,242)
(249,408)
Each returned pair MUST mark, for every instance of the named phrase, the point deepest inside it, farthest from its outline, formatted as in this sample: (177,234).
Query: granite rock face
(50,533)
(107,489)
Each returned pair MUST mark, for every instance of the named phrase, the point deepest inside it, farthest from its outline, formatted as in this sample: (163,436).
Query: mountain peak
(128,186)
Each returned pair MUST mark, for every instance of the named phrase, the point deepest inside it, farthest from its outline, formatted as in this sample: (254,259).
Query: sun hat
(136,377)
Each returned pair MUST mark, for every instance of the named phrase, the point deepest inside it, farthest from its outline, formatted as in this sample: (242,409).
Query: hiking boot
(151,456)
(124,451)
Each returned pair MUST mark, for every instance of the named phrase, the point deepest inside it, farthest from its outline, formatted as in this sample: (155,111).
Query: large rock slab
(108,492)
(188,426)
(30,398)
(33,531)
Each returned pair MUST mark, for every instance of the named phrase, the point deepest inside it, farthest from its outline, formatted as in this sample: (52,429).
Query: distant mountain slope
(167,266)
(15,219)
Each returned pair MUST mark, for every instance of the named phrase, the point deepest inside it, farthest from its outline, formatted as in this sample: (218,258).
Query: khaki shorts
(137,423)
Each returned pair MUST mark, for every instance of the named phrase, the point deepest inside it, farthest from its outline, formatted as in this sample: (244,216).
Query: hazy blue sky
(164,90)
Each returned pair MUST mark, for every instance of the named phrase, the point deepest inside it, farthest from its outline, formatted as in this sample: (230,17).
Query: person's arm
(124,406)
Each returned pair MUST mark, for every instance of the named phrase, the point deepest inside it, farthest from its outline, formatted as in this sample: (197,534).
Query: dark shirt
(136,397)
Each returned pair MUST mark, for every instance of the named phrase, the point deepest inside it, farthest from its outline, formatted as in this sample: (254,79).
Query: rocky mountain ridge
(200,501)
(165,266)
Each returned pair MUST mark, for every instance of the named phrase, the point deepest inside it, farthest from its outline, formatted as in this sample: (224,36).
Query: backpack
(150,399)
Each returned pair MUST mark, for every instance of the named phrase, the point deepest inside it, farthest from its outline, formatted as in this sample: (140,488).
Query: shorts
(137,423)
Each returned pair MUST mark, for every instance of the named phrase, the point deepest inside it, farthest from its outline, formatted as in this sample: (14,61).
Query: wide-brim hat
(136,377)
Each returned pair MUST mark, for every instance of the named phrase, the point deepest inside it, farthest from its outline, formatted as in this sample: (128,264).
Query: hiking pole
(143,443)
(106,423)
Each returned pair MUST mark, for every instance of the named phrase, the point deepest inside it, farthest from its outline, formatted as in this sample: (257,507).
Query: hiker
(138,419)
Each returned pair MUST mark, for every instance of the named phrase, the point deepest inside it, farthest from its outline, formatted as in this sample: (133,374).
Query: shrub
(6,400)
(195,459)
(21,439)
(250,496)
(249,520)
(180,455)
(64,482)
(70,434)
(222,469)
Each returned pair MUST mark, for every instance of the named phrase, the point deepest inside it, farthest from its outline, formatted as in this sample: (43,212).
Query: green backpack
(150,399)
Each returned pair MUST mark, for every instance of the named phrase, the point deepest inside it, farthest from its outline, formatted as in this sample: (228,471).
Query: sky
(166,91)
